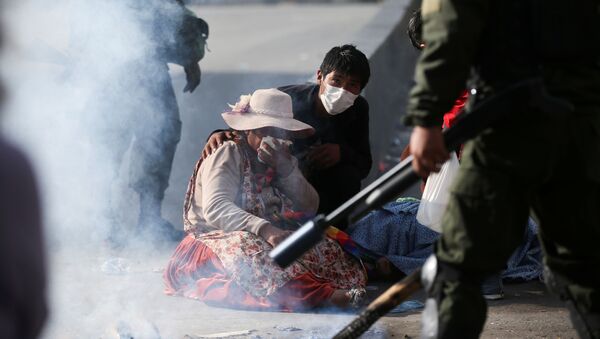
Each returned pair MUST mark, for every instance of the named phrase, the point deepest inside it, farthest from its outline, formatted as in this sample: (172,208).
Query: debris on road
(232,334)
(116,266)
(287,328)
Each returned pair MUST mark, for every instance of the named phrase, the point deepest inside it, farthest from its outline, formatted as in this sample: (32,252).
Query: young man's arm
(357,150)
(215,140)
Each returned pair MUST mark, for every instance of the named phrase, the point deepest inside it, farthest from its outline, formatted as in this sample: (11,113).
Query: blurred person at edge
(244,199)
(23,307)
(338,156)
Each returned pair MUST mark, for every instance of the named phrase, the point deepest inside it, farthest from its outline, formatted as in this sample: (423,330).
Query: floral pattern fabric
(244,256)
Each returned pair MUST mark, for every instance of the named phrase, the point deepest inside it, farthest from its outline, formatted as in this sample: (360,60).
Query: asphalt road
(97,293)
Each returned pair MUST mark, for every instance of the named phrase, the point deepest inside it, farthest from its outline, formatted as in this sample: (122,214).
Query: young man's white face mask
(336,99)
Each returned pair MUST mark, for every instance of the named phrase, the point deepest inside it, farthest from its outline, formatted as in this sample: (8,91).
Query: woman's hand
(214,141)
(279,157)
(273,235)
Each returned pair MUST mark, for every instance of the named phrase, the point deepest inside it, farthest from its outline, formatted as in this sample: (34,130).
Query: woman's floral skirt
(233,269)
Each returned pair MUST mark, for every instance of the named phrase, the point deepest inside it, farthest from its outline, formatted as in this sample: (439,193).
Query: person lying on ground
(396,244)
(237,208)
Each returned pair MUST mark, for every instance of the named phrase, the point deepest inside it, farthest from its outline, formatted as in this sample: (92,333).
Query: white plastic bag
(436,194)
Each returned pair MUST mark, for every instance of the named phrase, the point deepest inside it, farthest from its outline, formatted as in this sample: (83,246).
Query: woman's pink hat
(266,108)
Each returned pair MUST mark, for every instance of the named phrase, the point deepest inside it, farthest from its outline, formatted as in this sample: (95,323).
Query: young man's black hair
(348,60)
(415,29)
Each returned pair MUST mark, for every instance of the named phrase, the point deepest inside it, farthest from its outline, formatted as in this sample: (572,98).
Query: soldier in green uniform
(531,158)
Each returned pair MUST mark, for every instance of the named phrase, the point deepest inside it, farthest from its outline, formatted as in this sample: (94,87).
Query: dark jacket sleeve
(218,131)
(179,34)
(356,149)
(451,31)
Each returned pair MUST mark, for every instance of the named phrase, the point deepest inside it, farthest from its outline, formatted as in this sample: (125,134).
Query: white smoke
(63,62)
(67,68)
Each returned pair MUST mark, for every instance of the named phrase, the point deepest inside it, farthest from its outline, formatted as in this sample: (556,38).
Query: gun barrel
(299,242)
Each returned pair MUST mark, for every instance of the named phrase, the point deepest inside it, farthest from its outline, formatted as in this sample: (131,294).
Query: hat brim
(250,121)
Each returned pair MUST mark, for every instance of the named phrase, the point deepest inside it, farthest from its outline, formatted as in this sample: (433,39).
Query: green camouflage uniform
(530,159)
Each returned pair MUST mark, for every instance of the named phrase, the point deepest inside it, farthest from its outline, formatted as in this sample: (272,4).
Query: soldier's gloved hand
(192,75)
(428,149)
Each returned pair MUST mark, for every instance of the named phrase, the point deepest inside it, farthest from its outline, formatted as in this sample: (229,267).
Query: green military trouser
(550,163)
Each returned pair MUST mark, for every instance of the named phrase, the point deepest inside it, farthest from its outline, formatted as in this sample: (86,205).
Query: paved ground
(95,294)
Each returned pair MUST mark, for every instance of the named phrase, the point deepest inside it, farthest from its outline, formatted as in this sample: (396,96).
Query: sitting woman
(235,213)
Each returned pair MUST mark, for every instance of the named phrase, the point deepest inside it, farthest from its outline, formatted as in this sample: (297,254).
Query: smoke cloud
(80,75)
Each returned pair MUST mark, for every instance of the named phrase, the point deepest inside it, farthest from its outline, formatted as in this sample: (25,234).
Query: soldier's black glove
(192,75)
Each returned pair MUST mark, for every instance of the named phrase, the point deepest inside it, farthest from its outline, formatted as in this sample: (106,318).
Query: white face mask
(336,99)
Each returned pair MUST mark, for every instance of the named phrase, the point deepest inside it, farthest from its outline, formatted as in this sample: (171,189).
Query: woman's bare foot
(340,298)
(348,298)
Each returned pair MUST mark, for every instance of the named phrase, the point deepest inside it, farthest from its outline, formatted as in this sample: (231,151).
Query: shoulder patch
(430,6)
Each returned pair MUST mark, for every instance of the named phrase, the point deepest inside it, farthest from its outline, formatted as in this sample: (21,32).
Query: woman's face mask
(336,99)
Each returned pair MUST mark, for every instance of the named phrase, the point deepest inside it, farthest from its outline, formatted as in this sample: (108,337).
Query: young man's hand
(324,156)
(192,75)
(216,140)
(428,149)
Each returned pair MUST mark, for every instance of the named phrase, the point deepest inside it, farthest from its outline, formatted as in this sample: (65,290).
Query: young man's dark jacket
(349,129)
